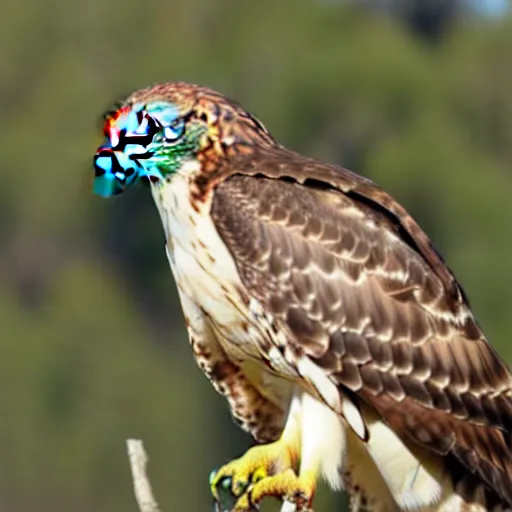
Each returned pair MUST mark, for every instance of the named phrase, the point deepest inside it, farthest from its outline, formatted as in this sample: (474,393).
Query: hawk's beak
(109,175)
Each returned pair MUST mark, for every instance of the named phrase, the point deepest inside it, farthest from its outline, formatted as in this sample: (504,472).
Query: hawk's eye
(175,130)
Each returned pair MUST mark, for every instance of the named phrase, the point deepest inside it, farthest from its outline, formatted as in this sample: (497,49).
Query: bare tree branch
(141,486)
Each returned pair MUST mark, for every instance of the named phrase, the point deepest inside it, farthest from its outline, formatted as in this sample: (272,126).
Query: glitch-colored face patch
(142,141)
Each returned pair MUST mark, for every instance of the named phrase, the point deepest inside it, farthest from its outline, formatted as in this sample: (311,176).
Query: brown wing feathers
(359,287)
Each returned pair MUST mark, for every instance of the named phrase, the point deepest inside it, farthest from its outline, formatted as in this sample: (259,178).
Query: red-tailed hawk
(318,307)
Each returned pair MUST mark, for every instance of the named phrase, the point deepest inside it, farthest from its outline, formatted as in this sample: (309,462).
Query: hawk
(321,311)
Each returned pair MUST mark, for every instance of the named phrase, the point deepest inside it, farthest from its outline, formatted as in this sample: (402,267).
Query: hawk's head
(156,130)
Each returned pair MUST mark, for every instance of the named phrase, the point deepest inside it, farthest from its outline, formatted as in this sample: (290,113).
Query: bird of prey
(321,311)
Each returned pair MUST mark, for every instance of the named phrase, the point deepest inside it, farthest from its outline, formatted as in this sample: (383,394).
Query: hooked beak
(110,177)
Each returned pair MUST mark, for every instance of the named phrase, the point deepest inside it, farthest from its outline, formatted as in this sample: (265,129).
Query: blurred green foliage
(93,344)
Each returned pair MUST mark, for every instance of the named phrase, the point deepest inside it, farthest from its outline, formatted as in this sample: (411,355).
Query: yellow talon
(255,466)
(286,486)
(258,475)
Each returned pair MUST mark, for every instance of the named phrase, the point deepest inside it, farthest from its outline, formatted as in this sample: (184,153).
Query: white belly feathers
(202,266)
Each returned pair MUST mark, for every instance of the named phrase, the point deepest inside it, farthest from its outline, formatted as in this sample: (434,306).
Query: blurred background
(416,95)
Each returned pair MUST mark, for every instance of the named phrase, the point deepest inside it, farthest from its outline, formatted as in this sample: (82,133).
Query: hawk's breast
(204,269)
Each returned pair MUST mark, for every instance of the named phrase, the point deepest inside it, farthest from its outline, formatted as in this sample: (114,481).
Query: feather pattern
(358,288)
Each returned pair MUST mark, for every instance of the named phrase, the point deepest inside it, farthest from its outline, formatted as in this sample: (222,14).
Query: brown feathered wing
(358,287)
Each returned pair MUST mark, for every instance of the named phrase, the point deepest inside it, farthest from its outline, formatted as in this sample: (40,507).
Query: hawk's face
(156,130)
(149,140)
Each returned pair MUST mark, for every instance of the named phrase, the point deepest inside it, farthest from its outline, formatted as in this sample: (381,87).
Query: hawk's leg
(273,469)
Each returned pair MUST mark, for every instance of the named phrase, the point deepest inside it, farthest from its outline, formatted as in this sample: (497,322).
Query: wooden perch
(141,486)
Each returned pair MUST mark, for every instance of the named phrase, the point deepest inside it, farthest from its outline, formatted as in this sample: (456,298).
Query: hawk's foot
(240,477)
(286,486)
